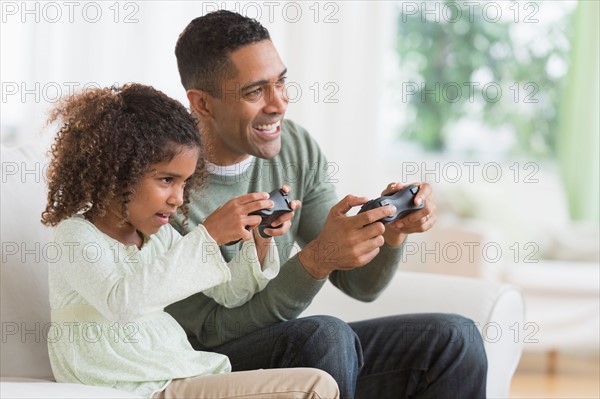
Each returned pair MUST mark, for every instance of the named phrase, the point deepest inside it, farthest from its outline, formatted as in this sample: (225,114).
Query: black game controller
(403,200)
(281,205)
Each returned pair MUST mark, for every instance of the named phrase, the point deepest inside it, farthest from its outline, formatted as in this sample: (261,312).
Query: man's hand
(283,224)
(345,242)
(415,222)
(232,221)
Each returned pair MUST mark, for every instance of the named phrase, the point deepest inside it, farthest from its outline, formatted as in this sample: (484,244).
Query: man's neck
(230,169)
(221,160)
(217,153)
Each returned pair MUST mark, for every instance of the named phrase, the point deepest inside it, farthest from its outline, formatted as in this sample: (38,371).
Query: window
(481,77)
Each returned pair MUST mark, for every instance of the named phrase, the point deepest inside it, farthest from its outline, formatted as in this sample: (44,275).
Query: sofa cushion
(40,389)
(24,305)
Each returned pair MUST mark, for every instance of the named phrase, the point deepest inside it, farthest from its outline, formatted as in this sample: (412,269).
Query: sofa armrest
(496,308)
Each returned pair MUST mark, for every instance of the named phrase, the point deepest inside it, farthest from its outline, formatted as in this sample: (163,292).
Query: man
(234,80)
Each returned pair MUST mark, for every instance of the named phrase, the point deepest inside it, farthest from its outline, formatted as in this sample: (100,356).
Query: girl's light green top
(108,324)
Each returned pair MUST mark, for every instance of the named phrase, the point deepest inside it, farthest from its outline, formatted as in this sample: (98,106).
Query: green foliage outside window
(505,74)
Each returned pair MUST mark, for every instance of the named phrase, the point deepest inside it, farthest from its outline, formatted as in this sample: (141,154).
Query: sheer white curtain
(333,51)
(340,67)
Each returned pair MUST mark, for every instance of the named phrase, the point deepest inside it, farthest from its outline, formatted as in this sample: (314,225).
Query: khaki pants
(291,383)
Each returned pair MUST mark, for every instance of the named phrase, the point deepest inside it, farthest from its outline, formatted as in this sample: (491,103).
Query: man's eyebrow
(262,82)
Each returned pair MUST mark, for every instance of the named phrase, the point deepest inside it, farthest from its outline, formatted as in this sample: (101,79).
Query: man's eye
(281,82)
(254,94)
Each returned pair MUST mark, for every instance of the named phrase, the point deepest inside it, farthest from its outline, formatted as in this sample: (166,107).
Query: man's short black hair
(203,48)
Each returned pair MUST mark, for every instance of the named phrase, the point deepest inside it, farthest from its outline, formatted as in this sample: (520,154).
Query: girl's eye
(167,180)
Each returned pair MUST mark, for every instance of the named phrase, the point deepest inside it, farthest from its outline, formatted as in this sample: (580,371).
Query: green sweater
(301,165)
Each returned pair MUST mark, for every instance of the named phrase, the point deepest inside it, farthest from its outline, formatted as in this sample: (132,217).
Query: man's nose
(277,100)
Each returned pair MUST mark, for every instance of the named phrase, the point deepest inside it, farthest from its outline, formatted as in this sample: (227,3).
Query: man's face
(246,118)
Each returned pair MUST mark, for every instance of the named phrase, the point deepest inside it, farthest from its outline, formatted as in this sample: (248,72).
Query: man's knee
(329,339)
(458,328)
(464,334)
(322,331)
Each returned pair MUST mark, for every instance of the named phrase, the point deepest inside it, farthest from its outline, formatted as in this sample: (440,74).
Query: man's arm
(367,282)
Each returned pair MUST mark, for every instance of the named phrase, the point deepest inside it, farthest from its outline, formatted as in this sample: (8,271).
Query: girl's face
(157,196)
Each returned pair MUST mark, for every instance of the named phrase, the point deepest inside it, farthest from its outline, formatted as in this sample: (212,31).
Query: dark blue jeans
(405,356)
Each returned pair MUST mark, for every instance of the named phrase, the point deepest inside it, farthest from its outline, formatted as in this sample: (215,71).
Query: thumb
(347,203)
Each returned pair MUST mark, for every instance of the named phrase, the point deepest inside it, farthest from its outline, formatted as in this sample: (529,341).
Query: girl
(123,162)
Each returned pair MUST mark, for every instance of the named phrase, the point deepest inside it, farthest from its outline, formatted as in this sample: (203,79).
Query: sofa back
(24,305)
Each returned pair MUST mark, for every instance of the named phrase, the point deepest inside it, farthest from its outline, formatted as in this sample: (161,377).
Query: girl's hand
(231,221)
(283,224)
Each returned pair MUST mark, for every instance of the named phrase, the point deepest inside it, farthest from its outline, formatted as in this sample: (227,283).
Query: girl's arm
(117,282)
(251,269)
(257,262)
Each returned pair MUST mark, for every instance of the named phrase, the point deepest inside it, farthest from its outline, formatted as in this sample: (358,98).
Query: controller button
(414,189)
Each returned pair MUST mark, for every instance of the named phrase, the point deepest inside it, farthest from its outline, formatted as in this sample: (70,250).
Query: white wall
(337,54)
(333,52)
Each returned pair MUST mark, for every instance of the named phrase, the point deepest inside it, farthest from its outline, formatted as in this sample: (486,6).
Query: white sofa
(25,316)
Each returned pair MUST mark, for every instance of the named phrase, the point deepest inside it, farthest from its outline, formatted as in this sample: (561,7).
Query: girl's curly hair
(108,140)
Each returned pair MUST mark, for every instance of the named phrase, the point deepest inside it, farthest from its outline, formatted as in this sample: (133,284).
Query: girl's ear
(200,103)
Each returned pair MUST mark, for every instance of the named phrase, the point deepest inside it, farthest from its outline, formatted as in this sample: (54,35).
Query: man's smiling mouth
(268,129)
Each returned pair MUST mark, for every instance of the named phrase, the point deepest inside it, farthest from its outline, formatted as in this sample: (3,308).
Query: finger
(410,220)
(430,222)
(418,223)
(392,188)
(430,207)
(251,197)
(367,244)
(367,257)
(424,224)
(286,189)
(283,218)
(425,192)
(414,217)
(347,203)
(256,206)
(278,230)
(372,230)
(373,215)
(246,235)
(295,204)
(251,221)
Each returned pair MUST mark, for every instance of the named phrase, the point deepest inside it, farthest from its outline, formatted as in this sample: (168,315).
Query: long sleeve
(121,283)
(247,276)
(368,282)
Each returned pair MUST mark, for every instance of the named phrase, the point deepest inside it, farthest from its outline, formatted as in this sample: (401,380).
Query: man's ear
(199,102)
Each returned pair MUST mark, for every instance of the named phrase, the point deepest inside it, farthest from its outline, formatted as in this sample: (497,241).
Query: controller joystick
(403,200)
